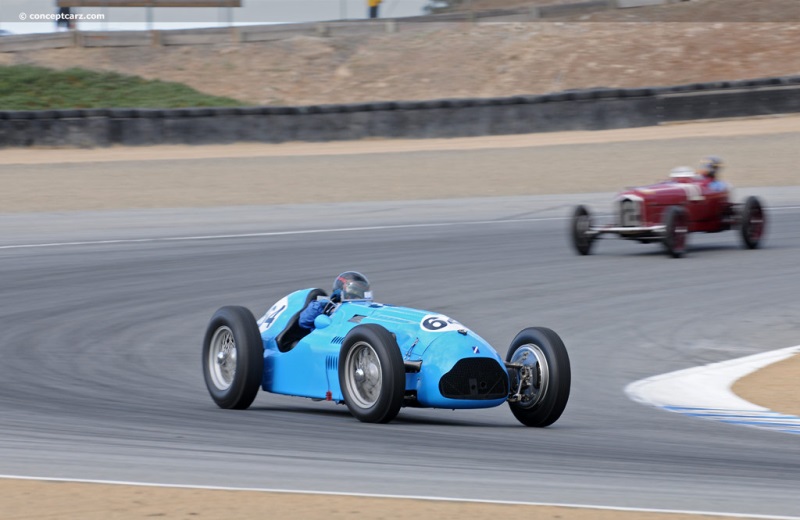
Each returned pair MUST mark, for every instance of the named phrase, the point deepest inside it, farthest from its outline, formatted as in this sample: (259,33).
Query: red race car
(667,211)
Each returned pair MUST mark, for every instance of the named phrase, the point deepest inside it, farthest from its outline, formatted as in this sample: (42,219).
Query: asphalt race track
(103,321)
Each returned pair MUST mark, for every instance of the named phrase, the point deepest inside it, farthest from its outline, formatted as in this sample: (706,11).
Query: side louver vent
(331,363)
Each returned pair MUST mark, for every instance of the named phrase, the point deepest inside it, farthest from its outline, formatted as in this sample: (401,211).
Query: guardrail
(204,36)
(593,109)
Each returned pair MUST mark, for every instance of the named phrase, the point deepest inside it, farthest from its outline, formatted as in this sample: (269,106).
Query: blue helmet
(710,166)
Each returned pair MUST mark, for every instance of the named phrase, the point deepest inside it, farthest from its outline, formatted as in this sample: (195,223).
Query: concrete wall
(33,42)
(595,109)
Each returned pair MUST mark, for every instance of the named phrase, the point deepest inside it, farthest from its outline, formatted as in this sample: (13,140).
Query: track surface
(101,376)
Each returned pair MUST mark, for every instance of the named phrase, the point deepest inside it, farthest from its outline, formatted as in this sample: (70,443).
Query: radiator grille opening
(630,213)
(475,378)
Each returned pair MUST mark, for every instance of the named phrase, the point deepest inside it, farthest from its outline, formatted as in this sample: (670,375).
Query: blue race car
(377,358)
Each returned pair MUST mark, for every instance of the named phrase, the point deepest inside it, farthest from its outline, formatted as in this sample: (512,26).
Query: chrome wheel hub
(363,375)
(533,377)
(222,358)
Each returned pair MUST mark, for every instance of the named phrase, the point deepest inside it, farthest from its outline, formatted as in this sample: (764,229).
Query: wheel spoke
(363,375)
(222,358)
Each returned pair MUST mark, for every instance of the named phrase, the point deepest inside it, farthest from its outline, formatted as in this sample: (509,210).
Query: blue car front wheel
(371,374)
(540,376)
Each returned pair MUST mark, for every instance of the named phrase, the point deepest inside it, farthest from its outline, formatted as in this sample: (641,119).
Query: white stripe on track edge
(300,232)
(705,392)
(403,497)
(277,233)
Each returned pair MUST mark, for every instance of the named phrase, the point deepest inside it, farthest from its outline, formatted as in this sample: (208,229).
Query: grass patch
(23,87)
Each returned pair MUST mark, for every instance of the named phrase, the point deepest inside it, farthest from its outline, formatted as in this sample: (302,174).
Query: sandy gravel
(36,500)
(758,153)
(774,386)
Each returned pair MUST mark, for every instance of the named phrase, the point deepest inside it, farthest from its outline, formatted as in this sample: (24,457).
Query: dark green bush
(24,87)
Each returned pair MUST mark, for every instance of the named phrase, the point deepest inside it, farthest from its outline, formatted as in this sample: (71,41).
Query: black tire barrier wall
(594,109)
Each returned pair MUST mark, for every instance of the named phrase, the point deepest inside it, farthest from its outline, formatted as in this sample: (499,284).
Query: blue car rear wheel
(233,358)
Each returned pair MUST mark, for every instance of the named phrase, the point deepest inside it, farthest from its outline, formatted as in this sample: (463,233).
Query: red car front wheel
(753,221)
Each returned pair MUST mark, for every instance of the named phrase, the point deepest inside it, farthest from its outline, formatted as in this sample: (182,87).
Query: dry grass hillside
(425,61)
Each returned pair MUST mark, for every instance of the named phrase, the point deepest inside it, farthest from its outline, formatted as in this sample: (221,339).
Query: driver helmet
(710,166)
(351,285)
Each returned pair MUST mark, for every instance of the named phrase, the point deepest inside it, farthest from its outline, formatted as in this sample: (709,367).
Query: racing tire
(676,224)
(233,358)
(580,226)
(372,374)
(544,400)
(753,222)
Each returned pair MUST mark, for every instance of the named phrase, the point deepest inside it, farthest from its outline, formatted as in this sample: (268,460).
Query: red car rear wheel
(676,222)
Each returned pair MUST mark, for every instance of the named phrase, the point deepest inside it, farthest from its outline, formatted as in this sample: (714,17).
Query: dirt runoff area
(698,41)
(54,500)
(58,180)
(757,152)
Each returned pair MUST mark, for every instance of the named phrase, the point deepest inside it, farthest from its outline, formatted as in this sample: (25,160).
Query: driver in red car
(349,285)
(708,170)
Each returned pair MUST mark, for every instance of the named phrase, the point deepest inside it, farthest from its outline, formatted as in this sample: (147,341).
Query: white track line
(705,392)
(403,497)
(299,232)
(278,233)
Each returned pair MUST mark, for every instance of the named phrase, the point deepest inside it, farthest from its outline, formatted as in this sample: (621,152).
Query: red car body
(666,212)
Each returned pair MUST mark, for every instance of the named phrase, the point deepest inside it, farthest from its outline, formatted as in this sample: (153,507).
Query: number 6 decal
(439,323)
